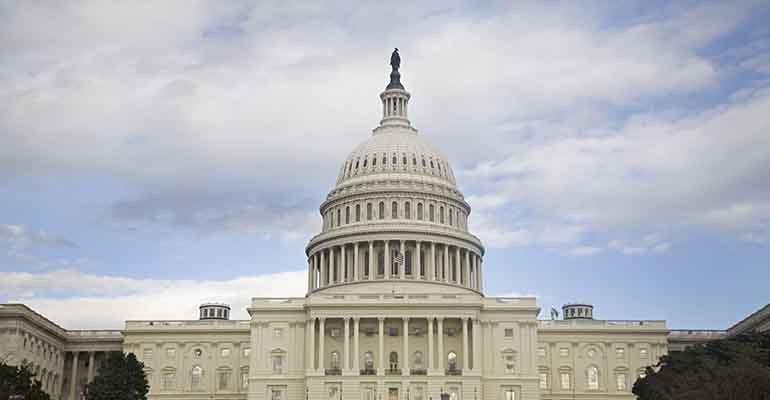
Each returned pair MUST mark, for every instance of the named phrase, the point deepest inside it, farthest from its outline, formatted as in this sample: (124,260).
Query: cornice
(391,230)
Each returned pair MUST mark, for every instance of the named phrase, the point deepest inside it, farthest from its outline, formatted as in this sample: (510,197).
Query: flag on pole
(398,259)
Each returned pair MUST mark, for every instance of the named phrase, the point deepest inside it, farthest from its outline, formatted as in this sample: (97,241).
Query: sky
(154,155)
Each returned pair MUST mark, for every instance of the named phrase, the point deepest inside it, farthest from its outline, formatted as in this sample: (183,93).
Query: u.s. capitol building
(395,310)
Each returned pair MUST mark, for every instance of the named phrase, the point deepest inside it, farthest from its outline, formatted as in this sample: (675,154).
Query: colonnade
(394,259)
(74,390)
(437,360)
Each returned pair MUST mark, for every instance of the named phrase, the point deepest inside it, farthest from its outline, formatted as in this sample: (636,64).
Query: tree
(19,381)
(731,369)
(121,377)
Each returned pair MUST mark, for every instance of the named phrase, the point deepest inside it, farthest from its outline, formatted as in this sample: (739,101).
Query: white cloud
(19,237)
(78,300)
(584,250)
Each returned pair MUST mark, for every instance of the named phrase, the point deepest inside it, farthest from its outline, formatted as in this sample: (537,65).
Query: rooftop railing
(591,323)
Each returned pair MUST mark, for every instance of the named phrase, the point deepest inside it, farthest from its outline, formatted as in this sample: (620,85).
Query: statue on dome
(395,60)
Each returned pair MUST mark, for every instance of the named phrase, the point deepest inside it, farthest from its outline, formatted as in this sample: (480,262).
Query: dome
(396,151)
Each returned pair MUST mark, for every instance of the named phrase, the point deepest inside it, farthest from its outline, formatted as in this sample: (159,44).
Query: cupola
(210,311)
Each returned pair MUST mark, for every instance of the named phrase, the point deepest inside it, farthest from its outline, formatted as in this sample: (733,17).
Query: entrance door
(393,394)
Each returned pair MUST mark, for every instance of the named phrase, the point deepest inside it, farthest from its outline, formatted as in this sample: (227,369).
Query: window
(394,210)
(374,159)
(541,351)
(430,213)
(417,362)
(510,394)
(277,362)
(418,393)
(277,332)
(245,378)
(642,353)
(508,332)
(368,211)
(223,379)
(566,380)
(168,379)
(196,378)
(276,394)
(591,353)
(335,360)
(147,354)
(451,361)
(368,360)
(358,212)
(419,211)
(393,360)
(382,211)
(620,381)
(441,214)
(347,215)
(246,351)
(395,160)
(564,352)
(339,217)
(451,217)
(225,352)
(543,380)
(509,360)
(592,378)
(620,352)
(407,210)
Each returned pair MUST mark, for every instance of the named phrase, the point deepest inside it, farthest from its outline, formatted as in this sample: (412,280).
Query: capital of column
(381,319)
(346,319)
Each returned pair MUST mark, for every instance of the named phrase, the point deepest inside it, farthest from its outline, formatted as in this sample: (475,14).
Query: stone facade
(395,309)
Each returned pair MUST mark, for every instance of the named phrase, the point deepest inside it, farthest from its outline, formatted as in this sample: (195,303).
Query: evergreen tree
(20,381)
(731,369)
(121,377)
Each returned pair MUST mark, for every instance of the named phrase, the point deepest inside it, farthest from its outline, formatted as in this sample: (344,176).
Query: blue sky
(155,156)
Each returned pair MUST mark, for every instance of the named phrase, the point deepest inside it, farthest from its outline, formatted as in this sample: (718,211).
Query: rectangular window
(277,364)
(620,380)
(392,331)
(508,332)
(543,380)
(223,380)
(147,354)
(510,394)
(541,351)
(168,378)
(565,380)
(244,379)
(564,352)
(277,332)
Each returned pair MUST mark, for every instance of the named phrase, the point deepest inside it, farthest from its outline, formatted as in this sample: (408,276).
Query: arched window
(382,210)
(451,217)
(441,214)
(431,215)
(407,210)
(451,361)
(196,378)
(339,217)
(368,360)
(365,160)
(374,160)
(347,215)
(419,211)
(394,210)
(335,360)
(393,360)
(358,213)
(592,378)
(395,160)
(368,211)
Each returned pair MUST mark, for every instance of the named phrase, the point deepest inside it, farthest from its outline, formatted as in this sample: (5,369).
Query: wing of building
(395,309)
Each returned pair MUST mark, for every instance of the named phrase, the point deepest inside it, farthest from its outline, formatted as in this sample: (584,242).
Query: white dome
(413,155)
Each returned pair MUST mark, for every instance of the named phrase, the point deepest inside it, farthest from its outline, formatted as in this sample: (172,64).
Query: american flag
(398,258)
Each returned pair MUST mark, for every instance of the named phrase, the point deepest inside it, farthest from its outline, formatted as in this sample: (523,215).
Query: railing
(696,334)
(95,333)
(368,371)
(393,371)
(589,323)
(418,371)
(453,372)
(171,324)
(333,371)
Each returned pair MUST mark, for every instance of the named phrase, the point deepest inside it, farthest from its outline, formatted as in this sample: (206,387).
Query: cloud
(79,300)
(584,251)
(18,237)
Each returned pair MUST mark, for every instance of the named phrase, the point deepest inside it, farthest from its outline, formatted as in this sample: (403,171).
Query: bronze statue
(395,60)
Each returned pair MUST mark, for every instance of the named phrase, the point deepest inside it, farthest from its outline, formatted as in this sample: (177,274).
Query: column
(430,344)
(74,378)
(387,265)
(310,363)
(321,337)
(476,350)
(457,265)
(310,273)
(440,359)
(346,364)
(381,352)
(402,267)
(467,271)
(372,267)
(343,264)
(418,264)
(481,274)
(356,354)
(332,267)
(466,355)
(405,358)
(91,355)
(445,267)
(324,268)
(355,262)
(432,265)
